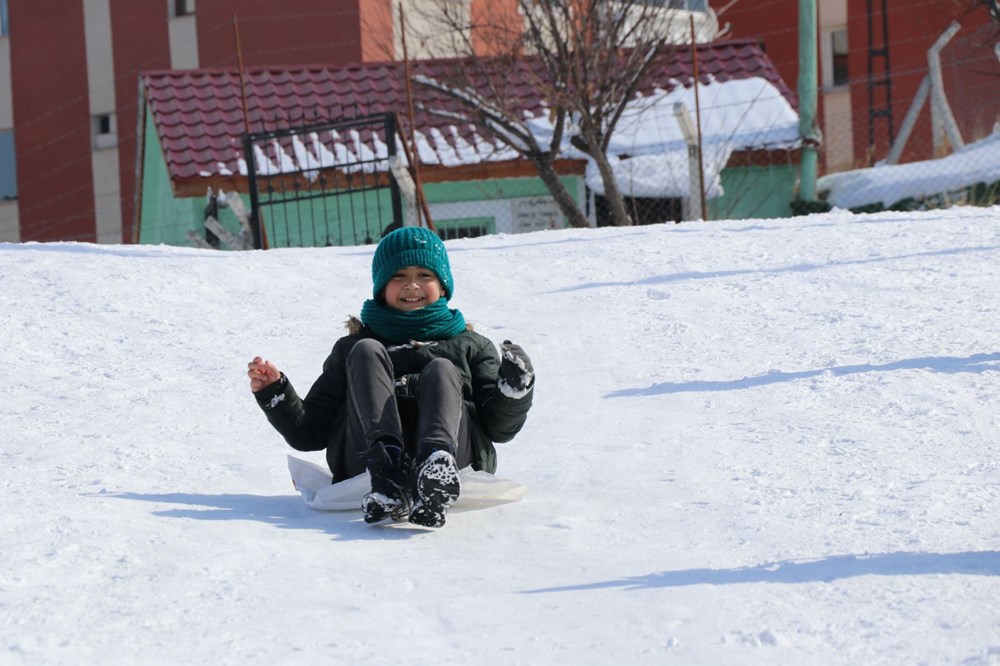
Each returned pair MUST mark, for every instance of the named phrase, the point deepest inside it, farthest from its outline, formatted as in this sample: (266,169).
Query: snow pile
(977,162)
(648,149)
(753,442)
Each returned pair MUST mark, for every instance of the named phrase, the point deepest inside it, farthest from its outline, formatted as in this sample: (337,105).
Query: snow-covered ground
(753,442)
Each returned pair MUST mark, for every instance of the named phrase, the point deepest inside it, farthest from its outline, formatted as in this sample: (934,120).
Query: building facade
(873,58)
(322,178)
(69,92)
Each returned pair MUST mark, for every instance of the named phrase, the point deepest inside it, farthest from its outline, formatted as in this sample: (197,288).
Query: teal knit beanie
(410,246)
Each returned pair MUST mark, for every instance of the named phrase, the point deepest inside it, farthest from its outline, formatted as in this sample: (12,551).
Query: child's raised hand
(262,374)
(515,368)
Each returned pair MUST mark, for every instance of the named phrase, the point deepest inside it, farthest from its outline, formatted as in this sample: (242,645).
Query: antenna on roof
(243,88)
(697,114)
(257,223)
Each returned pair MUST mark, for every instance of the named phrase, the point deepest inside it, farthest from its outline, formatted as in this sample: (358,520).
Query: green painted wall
(755,192)
(163,218)
(504,188)
(362,217)
(486,205)
(353,219)
(467,227)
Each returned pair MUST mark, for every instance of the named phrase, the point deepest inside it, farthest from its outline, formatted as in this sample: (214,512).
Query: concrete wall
(104,156)
(9,219)
(6,106)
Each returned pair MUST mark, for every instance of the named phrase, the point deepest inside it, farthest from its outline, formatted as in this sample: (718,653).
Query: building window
(105,128)
(4,26)
(472,227)
(838,49)
(689,5)
(8,167)
(182,7)
(643,210)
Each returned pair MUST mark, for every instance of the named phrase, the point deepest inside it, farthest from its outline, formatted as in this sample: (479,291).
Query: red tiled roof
(198,114)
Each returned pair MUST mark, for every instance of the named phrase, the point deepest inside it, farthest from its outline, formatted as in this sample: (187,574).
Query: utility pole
(808,130)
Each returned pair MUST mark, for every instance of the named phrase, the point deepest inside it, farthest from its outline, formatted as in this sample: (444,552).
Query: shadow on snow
(796,268)
(284,511)
(976,363)
(983,563)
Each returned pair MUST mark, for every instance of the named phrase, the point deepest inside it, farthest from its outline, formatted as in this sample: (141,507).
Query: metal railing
(321,185)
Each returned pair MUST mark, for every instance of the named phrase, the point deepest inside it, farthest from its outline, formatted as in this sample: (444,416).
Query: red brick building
(69,82)
(69,94)
(873,57)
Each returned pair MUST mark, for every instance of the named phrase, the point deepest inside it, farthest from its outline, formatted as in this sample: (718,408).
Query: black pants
(440,421)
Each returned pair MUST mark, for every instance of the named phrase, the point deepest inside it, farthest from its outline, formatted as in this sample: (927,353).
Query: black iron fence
(327,184)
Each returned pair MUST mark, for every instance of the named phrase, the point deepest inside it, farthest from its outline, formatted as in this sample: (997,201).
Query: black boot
(389,497)
(435,488)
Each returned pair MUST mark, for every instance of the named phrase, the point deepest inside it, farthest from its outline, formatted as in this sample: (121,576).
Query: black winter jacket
(320,421)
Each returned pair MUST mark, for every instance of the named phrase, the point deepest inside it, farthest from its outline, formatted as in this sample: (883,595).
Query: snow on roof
(198,114)
(735,115)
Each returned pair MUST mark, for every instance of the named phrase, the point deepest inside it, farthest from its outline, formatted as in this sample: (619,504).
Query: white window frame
(105,137)
(833,57)
(179,8)
(684,5)
(826,55)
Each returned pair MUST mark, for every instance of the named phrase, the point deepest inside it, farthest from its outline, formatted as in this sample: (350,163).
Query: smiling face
(412,288)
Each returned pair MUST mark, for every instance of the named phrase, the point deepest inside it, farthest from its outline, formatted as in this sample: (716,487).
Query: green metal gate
(323,185)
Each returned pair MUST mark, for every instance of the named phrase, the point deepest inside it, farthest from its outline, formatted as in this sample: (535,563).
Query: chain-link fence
(941,144)
(918,126)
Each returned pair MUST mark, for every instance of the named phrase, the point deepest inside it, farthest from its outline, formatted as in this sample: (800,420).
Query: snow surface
(753,442)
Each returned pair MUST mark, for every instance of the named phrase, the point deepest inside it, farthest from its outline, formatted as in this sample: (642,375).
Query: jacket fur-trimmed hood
(354,326)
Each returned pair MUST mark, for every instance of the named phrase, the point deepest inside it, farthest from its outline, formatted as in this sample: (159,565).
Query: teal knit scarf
(434,322)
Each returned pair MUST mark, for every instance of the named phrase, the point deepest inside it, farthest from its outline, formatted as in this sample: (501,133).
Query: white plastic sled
(479,489)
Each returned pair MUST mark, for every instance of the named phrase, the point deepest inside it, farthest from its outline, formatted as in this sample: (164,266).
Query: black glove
(406,386)
(515,368)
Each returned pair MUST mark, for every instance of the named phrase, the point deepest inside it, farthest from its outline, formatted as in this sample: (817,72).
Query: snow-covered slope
(770,442)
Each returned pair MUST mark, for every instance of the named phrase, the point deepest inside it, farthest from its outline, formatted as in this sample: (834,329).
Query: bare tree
(489,89)
(992,5)
(994,8)
(585,60)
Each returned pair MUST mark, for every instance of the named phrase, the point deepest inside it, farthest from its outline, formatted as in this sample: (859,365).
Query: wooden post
(697,122)
(421,201)
(259,230)
(414,157)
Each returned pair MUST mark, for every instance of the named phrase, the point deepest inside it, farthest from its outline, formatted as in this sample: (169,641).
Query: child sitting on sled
(412,394)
